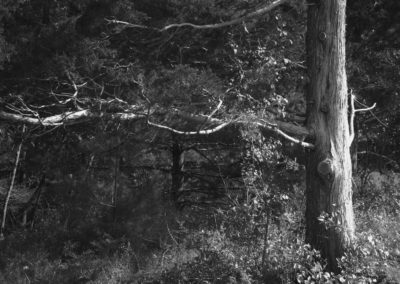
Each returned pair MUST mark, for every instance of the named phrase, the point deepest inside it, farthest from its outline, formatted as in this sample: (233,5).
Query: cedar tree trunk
(329,172)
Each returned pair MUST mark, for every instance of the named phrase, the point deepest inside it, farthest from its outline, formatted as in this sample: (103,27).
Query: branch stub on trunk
(326,169)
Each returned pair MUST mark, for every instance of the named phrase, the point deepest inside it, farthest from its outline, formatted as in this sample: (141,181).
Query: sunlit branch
(366,109)
(68,118)
(283,129)
(254,14)
(278,131)
(257,13)
(200,132)
(352,115)
(130,25)
(353,111)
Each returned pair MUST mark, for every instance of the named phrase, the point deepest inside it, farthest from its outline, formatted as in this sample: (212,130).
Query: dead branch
(3,222)
(366,109)
(68,118)
(352,115)
(257,13)
(200,132)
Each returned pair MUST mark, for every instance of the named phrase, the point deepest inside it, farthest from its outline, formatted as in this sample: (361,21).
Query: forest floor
(203,246)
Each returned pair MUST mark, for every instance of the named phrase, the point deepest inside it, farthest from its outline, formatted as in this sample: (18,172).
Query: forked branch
(353,111)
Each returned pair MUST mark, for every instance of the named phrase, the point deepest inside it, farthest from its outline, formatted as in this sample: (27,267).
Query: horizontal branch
(281,133)
(287,127)
(284,129)
(254,14)
(68,118)
(200,132)
(257,13)
(365,109)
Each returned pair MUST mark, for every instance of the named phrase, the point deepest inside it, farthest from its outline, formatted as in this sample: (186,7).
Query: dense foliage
(110,200)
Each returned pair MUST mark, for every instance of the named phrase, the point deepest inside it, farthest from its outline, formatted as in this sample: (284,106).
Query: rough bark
(329,172)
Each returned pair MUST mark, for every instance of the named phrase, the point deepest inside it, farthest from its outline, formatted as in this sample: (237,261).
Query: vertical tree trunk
(177,166)
(329,172)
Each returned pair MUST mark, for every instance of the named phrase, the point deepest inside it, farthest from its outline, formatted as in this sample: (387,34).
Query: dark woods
(138,145)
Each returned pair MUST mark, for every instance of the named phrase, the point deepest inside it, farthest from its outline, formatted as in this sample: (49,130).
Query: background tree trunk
(176,171)
(329,172)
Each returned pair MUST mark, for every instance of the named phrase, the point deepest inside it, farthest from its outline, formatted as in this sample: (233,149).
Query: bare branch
(352,115)
(285,135)
(254,14)
(239,20)
(200,132)
(353,111)
(130,25)
(283,129)
(68,118)
(366,109)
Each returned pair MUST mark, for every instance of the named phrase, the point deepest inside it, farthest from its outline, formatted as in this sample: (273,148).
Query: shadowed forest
(171,141)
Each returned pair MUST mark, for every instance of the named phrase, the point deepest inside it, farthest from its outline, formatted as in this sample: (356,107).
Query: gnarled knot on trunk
(326,169)
(322,36)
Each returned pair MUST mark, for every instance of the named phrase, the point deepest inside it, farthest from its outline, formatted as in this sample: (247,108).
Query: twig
(115,190)
(172,237)
(366,109)
(3,222)
(265,245)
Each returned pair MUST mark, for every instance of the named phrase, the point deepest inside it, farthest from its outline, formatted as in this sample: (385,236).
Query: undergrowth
(231,245)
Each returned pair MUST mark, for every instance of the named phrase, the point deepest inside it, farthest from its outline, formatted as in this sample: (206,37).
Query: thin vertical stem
(115,191)
(3,222)
(265,245)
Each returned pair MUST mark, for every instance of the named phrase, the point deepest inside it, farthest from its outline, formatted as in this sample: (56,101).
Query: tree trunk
(177,166)
(329,172)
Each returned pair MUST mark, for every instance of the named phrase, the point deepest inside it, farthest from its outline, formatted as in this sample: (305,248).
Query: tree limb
(254,14)
(239,20)
(286,136)
(283,129)
(67,118)
(200,132)
(352,115)
(366,109)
